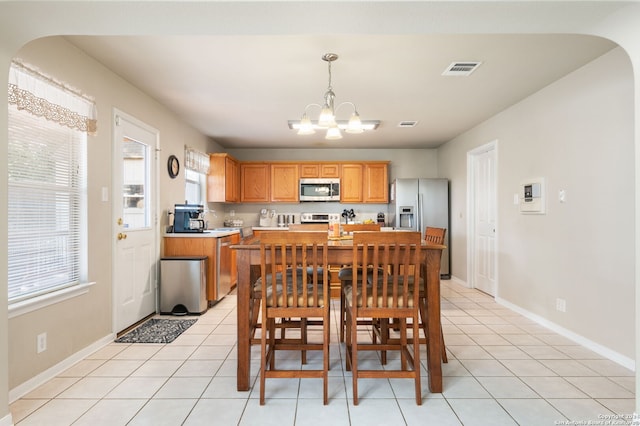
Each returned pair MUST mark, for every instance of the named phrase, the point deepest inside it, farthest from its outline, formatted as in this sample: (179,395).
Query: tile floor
(503,370)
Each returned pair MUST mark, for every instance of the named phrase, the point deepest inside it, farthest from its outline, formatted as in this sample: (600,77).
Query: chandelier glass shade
(327,117)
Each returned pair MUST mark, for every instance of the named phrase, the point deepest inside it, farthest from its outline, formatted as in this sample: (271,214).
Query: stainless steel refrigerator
(418,203)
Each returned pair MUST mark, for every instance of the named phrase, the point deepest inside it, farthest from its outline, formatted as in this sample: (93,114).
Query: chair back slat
(293,268)
(385,261)
(435,235)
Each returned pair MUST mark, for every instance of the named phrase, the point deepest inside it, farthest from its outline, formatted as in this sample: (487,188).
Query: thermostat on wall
(532,198)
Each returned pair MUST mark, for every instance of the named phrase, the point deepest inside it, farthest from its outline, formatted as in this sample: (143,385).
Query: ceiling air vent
(461,69)
(407,124)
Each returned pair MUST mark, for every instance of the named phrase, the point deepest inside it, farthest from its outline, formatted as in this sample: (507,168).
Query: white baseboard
(581,340)
(6,420)
(33,383)
(459,281)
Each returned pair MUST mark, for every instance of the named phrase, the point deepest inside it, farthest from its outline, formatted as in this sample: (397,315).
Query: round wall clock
(173,165)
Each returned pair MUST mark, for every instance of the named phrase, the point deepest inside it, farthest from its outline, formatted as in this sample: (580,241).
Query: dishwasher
(223,267)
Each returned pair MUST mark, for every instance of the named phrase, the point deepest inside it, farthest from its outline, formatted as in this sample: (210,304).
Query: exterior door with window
(136,254)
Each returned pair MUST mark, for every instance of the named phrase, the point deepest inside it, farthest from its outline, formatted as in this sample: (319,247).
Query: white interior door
(134,213)
(482,242)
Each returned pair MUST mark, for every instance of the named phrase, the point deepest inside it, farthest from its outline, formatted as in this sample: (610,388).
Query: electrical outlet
(41,342)
(561,305)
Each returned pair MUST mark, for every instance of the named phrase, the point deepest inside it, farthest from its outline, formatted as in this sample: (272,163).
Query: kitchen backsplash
(250,213)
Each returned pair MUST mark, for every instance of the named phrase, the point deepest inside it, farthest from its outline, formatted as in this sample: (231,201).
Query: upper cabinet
(284,183)
(223,180)
(255,182)
(319,170)
(365,183)
(231,181)
(351,183)
(376,183)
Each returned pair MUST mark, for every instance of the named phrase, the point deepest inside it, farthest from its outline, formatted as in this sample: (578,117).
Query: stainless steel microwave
(320,189)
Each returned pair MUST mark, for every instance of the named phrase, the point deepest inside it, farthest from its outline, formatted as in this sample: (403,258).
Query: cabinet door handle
(122,236)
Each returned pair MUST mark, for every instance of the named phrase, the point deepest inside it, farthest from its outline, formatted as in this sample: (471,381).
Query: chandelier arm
(355,110)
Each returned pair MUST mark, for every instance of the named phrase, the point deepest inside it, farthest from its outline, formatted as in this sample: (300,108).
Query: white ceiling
(242,90)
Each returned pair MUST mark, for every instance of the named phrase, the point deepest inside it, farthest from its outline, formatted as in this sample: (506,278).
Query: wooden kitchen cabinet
(284,183)
(223,180)
(319,170)
(255,182)
(376,183)
(196,246)
(351,183)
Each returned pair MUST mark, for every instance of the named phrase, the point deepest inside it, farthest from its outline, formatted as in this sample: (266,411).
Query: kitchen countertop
(209,233)
(270,228)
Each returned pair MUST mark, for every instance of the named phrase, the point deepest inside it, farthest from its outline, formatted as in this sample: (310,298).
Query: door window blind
(46,208)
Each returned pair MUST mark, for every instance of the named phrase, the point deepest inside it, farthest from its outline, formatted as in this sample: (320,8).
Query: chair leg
(444,348)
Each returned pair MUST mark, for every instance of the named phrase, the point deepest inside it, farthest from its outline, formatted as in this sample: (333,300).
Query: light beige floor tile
(220,339)
(608,368)
(190,339)
(374,411)
(578,352)
(600,387)
(23,407)
(58,412)
(540,352)
(469,352)
(225,387)
(137,387)
(183,387)
(463,387)
(452,368)
(275,412)
(160,412)
(143,352)
(522,339)
(108,351)
(488,339)
(507,387)
(532,412)
(91,388)
(117,368)
(553,387)
(485,367)
(311,412)
(476,328)
(527,367)
(211,352)
(82,368)
(198,368)
(277,389)
(158,368)
(581,410)
(52,388)
(506,352)
(568,367)
(112,412)
(624,407)
(480,412)
(503,329)
(433,411)
(220,411)
(175,352)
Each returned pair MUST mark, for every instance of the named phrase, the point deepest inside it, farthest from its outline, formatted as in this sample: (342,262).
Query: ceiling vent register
(461,69)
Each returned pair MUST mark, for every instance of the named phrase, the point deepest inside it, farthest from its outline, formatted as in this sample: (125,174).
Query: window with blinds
(47,210)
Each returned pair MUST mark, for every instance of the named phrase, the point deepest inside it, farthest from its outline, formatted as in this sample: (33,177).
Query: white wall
(578,133)
(74,324)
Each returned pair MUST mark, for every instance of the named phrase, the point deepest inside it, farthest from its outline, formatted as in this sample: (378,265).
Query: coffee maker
(188,218)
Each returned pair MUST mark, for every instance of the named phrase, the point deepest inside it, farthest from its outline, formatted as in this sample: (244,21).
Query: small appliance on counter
(188,218)
(381,219)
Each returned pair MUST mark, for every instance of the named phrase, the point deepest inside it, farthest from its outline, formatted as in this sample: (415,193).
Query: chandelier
(327,118)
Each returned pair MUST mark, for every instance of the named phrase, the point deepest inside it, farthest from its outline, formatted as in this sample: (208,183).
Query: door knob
(122,236)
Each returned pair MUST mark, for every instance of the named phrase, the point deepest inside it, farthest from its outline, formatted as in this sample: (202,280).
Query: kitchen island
(215,245)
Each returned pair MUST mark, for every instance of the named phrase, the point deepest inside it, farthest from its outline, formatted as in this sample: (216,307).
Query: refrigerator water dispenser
(406,217)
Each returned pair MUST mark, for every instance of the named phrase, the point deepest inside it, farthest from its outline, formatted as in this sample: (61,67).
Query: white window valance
(42,96)
(196,160)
